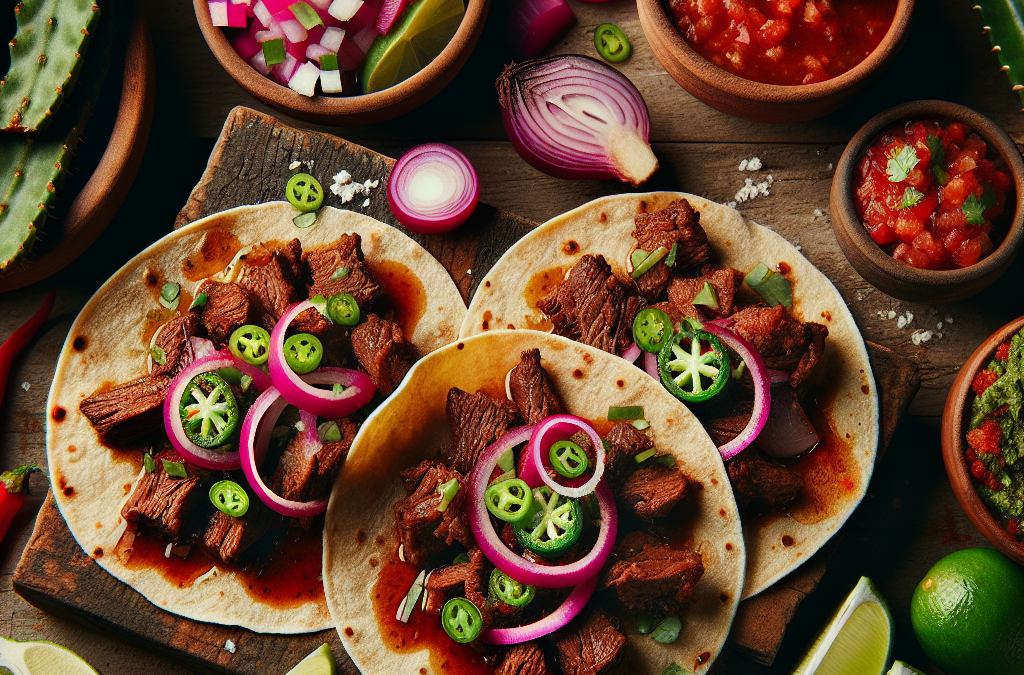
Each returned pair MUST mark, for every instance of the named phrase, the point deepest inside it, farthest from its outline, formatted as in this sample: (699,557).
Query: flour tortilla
(412,426)
(112,323)
(604,227)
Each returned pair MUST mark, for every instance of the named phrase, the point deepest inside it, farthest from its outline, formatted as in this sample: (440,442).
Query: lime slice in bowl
(858,640)
(416,40)
(319,662)
(41,658)
(901,668)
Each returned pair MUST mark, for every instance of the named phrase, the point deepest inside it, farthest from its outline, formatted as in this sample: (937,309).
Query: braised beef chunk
(422,529)
(525,658)
(651,492)
(682,291)
(624,442)
(531,389)
(650,577)
(477,421)
(677,314)
(383,352)
(162,501)
(591,306)
(128,413)
(227,308)
(306,471)
(724,429)
(676,225)
(590,645)
(345,253)
(759,484)
(242,539)
(173,341)
(784,342)
(271,285)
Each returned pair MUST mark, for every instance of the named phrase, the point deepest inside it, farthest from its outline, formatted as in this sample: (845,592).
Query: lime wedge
(41,658)
(858,640)
(423,33)
(319,662)
(901,668)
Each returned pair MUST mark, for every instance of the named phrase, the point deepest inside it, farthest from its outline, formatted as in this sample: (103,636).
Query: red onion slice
(572,116)
(433,188)
(524,571)
(762,389)
(549,431)
(535,24)
(631,352)
(787,432)
(565,613)
(651,365)
(256,432)
(299,390)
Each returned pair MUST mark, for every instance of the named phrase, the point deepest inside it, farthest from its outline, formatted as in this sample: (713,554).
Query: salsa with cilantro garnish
(995,436)
(928,193)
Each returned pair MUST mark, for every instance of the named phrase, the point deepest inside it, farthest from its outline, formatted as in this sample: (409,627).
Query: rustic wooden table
(909,518)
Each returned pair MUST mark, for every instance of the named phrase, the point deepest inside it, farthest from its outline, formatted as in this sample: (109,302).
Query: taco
(660,268)
(436,561)
(160,407)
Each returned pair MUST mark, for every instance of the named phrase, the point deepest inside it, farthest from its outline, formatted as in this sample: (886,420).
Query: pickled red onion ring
(565,613)
(551,430)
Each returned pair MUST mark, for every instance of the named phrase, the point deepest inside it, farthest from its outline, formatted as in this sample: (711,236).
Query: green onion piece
(667,460)
(320,302)
(304,220)
(230,375)
(273,51)
(306,15)
(675,669)
(637,257)
(940,175)
(409,604)
(176,469)
(245,383)
(505,461)
(337,388)
(773,288)
(625,412)
(667,631)
(340,273)
(461,558)
(149,463)
(199,301)
(329,62)
(645,455)
(649,262)
(170,295)
(329,432)
(447,491)
(645,624)
(706,296)
(158,354)
(670,261)
(508,475)
(641,424)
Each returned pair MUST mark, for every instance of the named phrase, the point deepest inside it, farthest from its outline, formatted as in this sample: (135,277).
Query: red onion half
(565,613)
(535,24)
(787,432)
(572,116)
(433,188)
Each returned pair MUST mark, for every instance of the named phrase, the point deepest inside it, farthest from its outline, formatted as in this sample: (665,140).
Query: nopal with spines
(1004,24)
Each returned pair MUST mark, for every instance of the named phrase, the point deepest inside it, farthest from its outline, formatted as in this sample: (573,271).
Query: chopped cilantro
(149,463)
(938,159)
(911,198)
(901,163)
(674,669)
(158,354)
(975,208)
(200,301)
(340,273)
(176,469)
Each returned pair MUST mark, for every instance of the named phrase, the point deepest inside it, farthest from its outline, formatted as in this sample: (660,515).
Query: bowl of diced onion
(341,62)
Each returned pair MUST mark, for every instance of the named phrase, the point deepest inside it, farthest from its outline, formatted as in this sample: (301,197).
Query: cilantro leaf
(901,163)
(975,208)
(938,159)
(911,198)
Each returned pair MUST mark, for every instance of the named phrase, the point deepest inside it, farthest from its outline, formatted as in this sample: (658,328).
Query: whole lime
(967,613)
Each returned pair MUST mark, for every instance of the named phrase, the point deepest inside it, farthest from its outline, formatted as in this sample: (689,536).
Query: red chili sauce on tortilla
(928,193)
(786,42)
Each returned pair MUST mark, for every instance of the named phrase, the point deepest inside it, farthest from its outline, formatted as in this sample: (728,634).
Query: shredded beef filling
(676,225)
(624,442)
(682,291)
(651,577)
(523,659)
(227,308)
(345,253)
(653,491)
(164,502)
(784,342)
(422,529)
(383,352)
(760,484)
(128,413)
(477,420)
(243,539)
(173,341)
(306,471)
(531,389)
(590,645)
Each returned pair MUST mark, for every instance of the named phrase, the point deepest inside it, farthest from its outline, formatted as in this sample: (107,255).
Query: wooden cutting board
(248,166)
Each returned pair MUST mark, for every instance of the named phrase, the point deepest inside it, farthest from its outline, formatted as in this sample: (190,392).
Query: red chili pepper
(13,494)
(19,340)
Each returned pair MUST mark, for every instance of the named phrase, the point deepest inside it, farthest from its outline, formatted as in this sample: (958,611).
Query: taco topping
(229,497)
(251,344)
(694,366)
(208,410)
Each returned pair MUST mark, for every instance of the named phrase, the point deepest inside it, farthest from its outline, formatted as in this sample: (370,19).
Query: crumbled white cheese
(469,272)
(345,188)
(366,202)
(300,426)
(949,319)
(891,314)
(831,166)
(752,190)
(229,645)
(920,336)
(294,165)
(26,386)
(938,326)
(752,164)
(818,213)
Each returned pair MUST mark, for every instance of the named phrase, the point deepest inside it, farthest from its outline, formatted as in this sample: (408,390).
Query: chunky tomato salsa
(786,42)
(928,193)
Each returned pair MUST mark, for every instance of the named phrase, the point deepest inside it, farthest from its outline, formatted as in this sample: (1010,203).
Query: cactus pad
(1004,24)
(46,55)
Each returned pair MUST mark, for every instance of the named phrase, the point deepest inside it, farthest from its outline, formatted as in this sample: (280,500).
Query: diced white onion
(343,10)
(219,13)
(262,13)
(364,39)
(293,30)
(332,38)
(304,79)
(272,33)
(330,81)
(315,50)
(259,63)
(320,4)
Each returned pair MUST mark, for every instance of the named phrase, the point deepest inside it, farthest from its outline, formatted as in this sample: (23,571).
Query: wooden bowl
(349,110)
(954,427)
(95,205)
(757,101)
(882,270)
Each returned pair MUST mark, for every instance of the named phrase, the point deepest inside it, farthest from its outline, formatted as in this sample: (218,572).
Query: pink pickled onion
(651,365)
(256,431)
(549,431)
(565,613)
(299,390)
(433,188)
(207,458)
(762,389)
(535,24)
(631,352)
(524,571)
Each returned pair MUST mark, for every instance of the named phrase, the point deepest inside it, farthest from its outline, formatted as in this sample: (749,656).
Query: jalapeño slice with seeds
(694,366)
(208,410)
(343,309)
(462,620)
(509,500)
(251,344)
(555,525)
(611,43)
(652,328)
(568,459)
(230,498)
(506,589)
(303,352)
(304,192)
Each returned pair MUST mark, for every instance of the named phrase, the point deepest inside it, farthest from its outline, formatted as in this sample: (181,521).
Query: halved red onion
(762,389)
(572,116)
(207,458)
(299,390)
(549,431)
(565,613)
(651,365)
(787,432)
(524,571)
(256,431)
(534,25)
(433,188)
(631,352)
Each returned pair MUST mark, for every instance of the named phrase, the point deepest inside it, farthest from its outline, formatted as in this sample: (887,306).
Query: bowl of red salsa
(774,60)
(924,201)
